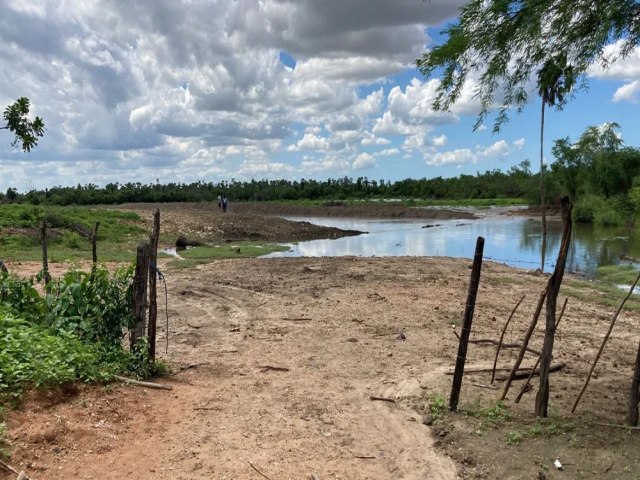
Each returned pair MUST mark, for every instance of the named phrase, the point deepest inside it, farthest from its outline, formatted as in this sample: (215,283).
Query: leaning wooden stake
(525,344)
(526,384)
(604,342)
(94,246)
(553,289)
(634,394)
(466,324)
(153,278)
(504,330)
(45,261)
(140,294)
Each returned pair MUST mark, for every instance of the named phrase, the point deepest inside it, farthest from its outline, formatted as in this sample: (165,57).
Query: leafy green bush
(95,306)
(35,355)
(599,210)
(72,333)
(21,297)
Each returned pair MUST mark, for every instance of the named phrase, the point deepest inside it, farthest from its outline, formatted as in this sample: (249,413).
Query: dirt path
(232,319)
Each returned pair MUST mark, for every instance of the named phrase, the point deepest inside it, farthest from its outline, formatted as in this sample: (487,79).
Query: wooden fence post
(94,247)
(634,395)
(153,278)
(466,325)
(140,294)
(45,261)
(553,288)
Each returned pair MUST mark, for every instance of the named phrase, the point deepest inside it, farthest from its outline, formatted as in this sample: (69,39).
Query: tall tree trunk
(542,202)
(553,288)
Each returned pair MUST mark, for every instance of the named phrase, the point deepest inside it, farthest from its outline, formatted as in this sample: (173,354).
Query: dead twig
(9,468)
(525,343)
(484,386)
(615,425)
(365,457)
(382,399)
(523,374)
(157,386)
(526,384)
(491,341)
(297,319)
(504,330)
(604,342)
(266,368)
(257,470)
(188,367)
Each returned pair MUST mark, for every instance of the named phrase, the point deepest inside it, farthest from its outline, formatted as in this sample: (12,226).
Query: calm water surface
(515,241)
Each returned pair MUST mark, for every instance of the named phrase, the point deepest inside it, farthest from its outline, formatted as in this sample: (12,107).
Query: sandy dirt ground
(276,364)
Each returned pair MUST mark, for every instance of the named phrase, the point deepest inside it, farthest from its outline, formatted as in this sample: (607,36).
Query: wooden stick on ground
(504,330)
(257,470)
(9,468)
(526,384)
(382,399)
(491,341)
(525,343)
(157,386)
(604,342)
(526,373)
(266,368)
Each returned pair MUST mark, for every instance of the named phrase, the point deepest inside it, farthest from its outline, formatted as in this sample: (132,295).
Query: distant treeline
(598,172)
(517,183)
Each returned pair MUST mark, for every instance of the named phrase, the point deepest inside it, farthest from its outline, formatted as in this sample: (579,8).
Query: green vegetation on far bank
(206,254)
(69,230)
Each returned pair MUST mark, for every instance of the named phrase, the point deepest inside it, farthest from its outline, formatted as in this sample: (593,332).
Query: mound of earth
(264,222)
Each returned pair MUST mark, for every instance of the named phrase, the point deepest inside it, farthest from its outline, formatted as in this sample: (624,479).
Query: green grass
(118,234)
(205,254)
(618,274)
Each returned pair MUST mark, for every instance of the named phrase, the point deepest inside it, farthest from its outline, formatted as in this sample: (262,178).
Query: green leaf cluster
(17,122)
(73,332)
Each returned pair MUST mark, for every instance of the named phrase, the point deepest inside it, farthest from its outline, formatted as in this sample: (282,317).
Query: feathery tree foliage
(17,121)
(507,42)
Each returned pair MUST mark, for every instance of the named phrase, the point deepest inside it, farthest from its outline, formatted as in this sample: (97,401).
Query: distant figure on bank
(224,205)
(219,202)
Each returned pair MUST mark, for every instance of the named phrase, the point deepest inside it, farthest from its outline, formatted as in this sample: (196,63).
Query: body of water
(515,241)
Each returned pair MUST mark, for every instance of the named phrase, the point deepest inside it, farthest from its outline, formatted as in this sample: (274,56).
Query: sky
(211,90)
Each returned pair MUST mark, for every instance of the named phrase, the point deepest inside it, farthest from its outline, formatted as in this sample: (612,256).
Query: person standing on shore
(219,202)
(224,205)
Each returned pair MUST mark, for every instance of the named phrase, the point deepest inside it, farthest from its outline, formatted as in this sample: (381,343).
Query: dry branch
(9,468)
(526,384)
(257,470)
(530,373)
(157,386)
(525,343)
(504,330)
(604,342)
(382,399)
(266,368)
(615,425)
(491,341)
